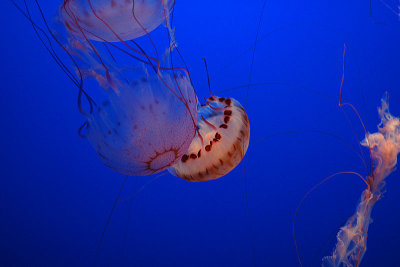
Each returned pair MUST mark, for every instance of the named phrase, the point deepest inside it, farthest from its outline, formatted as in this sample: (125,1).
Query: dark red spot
(221,99)
(193,156)
(199,154)
(221,161)
(228,112)
(218,136)
(223,126)
(113,4)
(135,127)
(211,98)
(228,102)
(184,158)
(226,119)
(208,148)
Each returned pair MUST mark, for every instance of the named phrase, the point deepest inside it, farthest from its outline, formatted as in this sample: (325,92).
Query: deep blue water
(56,195)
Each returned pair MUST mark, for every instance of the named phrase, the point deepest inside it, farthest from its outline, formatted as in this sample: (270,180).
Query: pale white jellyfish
(385,146)
(113,20)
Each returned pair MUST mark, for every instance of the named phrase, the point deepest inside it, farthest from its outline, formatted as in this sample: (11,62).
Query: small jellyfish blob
(146,126)
(113,20)
(221,143)
(385,146)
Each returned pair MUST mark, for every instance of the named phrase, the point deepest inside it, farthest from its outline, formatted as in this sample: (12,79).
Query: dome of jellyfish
(220,145)
(113,20)
(145,127)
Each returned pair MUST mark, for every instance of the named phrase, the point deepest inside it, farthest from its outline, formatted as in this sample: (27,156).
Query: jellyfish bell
(222,142)
(146,126)
(113,20)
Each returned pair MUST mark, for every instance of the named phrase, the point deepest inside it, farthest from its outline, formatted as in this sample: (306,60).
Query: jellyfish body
(113,20)
(145,126)
(222,143)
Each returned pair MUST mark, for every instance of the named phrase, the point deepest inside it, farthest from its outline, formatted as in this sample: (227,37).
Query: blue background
(56,195)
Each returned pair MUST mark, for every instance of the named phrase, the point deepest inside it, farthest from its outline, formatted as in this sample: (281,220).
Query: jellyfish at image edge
(384,146)
(114,20)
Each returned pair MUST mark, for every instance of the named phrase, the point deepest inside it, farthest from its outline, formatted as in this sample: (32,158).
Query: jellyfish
(154,122)
(113,20)
(384,147)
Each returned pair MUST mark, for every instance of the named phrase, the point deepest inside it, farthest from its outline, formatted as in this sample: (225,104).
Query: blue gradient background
(56,195)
